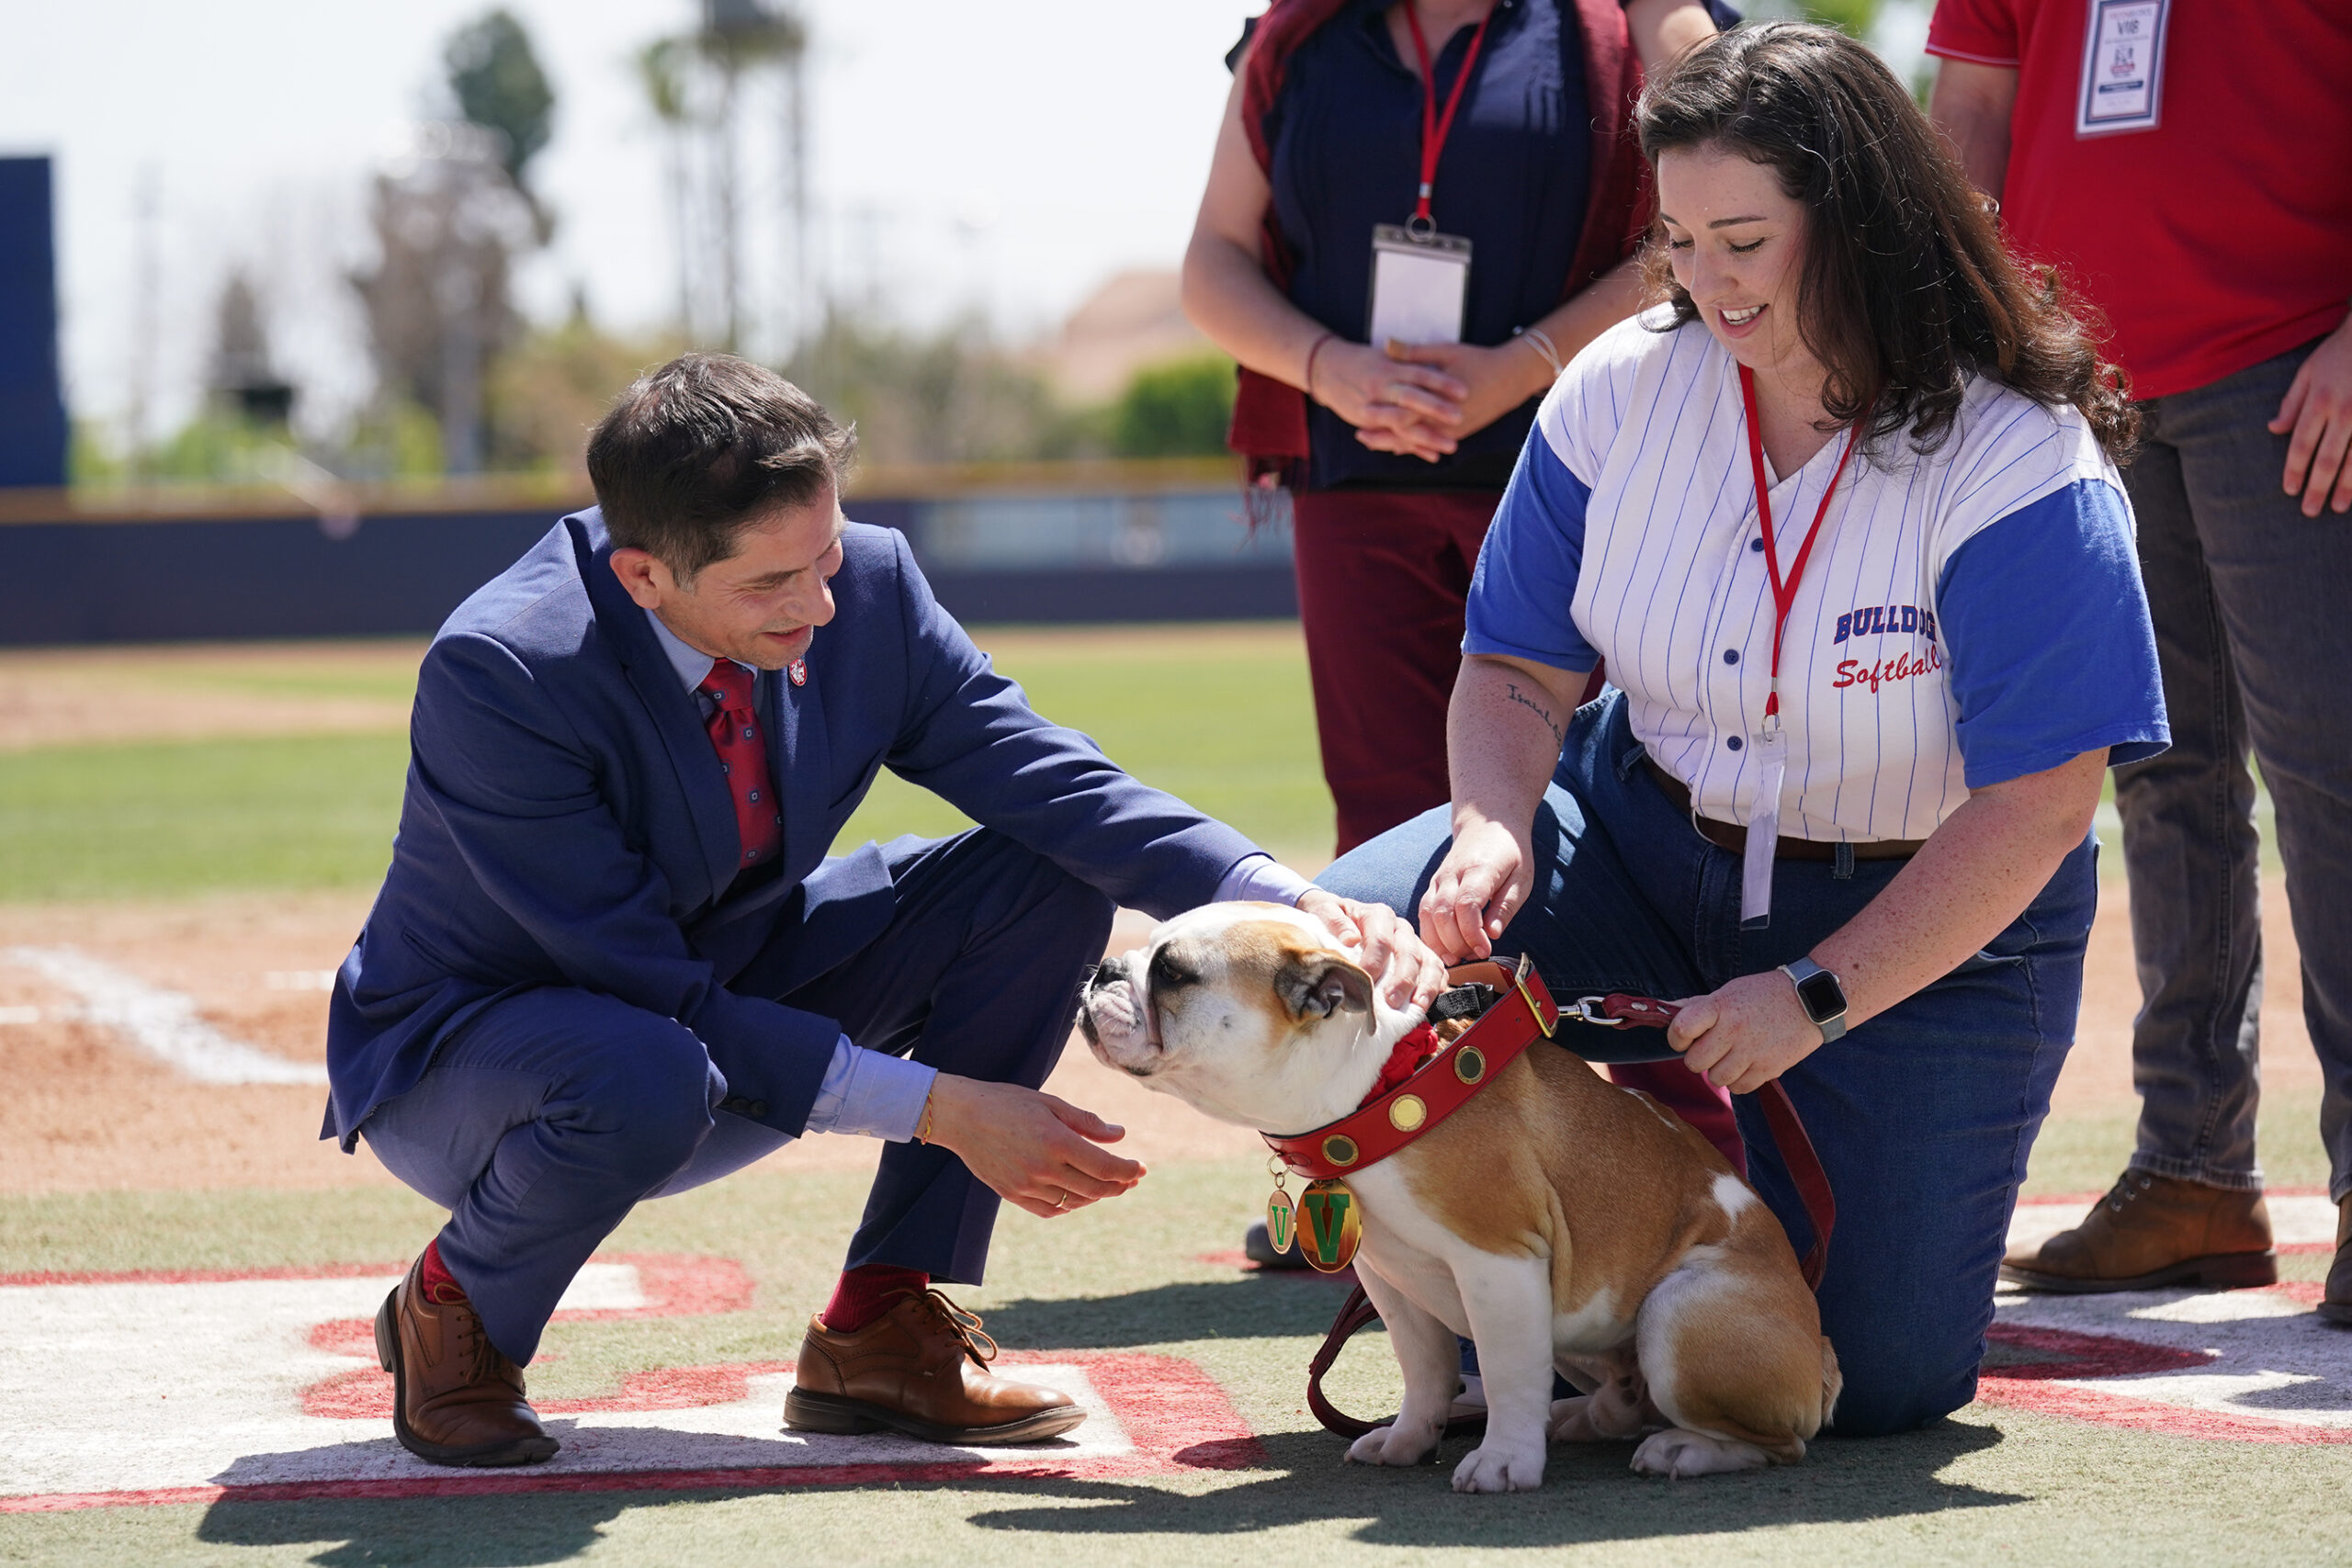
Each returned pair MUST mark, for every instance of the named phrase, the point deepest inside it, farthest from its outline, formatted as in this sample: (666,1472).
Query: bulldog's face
(1249,1012)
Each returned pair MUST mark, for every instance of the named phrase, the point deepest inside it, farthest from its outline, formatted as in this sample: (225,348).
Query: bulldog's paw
(1605,1416)
(1675,1453)
(1389,1445)
(1571,1421)
(1495,1467)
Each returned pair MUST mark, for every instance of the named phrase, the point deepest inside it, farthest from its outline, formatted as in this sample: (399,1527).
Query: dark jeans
(557,1111)
(1923,1116)
(2256,646)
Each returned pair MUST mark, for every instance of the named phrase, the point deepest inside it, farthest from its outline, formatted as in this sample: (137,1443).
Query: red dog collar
(1397,1112)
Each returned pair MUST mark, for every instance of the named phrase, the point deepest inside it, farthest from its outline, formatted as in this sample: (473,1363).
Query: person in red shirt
(2188,168)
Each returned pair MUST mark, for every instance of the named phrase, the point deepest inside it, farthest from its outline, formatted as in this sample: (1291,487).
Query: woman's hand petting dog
(1409,974)
(1484,881)
(1030,1148)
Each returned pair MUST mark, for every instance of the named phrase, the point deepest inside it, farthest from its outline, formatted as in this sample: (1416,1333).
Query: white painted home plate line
(162,1024)
(195,1383)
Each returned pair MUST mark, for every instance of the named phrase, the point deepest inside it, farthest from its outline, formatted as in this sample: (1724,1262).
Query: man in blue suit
(611,960)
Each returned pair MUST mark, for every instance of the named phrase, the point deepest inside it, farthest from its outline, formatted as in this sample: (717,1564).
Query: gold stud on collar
(1469,1064)
(1340,1149)
(1406,1112)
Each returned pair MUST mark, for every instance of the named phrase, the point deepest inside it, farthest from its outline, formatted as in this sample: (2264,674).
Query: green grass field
(1228,727)
(1224,721)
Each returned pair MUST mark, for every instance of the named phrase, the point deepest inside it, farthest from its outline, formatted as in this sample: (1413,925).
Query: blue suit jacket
(566,822)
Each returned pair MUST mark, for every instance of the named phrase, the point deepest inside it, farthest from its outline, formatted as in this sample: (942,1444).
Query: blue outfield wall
(990,558)
(32,409)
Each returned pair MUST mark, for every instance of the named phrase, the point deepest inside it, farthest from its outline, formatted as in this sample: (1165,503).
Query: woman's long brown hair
(1906,288)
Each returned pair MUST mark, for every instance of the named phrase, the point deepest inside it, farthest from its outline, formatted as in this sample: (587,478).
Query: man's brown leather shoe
(2336,1305)
(2152,1231)
(455,1399)
(921,1369)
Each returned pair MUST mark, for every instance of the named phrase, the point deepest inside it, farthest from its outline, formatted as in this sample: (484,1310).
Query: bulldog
(1558,1222)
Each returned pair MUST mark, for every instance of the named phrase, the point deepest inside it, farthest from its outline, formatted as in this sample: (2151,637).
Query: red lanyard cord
(1435,127)
(1784,591)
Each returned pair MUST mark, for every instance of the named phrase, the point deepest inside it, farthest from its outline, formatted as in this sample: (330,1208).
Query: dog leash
(1617,1009)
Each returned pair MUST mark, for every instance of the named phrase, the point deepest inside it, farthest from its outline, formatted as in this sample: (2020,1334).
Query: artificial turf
(1992,1485)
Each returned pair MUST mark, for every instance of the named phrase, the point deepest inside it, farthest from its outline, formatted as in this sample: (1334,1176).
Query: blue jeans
(557,1111)
(2247,595)
(1923,1116)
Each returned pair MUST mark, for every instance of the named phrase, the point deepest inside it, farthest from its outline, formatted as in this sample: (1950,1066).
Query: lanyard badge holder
(1771,741)
(1420,278)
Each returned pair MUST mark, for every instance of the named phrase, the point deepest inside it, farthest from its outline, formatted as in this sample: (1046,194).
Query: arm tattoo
(1512,694)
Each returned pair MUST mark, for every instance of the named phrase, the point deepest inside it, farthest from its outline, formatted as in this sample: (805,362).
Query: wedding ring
(1063,1202)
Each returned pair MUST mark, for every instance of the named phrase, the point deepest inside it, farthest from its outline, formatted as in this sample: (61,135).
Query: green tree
(1851,16)
(495,74)
(1177,410)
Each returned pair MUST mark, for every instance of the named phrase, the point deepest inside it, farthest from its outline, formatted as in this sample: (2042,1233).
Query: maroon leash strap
(1616,1011)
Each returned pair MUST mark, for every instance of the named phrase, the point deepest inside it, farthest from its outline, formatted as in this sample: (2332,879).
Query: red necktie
(743,757)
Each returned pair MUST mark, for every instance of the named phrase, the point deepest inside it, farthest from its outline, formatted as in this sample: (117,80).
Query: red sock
(440,1286)
(867,1292)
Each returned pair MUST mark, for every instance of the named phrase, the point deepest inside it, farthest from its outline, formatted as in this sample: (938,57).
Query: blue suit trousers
(1923,1116)
(556,1110)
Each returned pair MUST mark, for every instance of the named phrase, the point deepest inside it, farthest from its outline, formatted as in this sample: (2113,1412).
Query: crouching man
(611,960)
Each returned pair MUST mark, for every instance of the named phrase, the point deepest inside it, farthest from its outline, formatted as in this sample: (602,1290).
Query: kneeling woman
(1842,516)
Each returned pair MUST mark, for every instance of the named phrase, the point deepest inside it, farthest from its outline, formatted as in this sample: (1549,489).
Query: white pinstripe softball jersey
(1967,617)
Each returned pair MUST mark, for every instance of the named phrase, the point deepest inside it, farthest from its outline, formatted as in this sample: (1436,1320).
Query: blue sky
(1012,154)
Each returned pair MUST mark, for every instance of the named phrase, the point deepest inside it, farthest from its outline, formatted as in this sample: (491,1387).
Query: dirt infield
(90,697)
(87,1111)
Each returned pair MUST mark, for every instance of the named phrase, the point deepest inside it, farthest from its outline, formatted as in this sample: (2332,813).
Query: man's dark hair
(1906,288)
(699,450)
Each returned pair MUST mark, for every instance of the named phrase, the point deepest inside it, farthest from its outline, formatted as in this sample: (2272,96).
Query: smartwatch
(1818,992)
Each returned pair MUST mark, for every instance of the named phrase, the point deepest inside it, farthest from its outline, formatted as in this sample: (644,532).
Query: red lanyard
(1784,592)
(1434,126)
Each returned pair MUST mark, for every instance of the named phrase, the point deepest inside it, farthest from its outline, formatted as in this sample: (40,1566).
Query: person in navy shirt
(1841,514)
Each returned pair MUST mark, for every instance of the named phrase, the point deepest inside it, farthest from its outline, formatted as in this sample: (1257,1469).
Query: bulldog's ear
(1318,984)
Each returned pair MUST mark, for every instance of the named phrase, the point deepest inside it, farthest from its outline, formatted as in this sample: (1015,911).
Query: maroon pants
(1383,579)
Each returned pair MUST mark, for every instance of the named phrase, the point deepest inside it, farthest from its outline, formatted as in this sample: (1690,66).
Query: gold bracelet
(922,1128)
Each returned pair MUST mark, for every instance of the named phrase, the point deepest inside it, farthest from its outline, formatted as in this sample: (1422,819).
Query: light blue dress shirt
(873,1093)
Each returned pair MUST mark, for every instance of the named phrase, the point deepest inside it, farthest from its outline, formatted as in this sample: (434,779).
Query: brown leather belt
(1732,836)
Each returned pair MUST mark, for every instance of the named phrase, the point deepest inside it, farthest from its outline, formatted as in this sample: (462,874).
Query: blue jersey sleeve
(1526,579)
(2046,624)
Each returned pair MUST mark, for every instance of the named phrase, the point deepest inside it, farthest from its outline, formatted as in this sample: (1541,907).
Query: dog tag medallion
(1282,1220)
(1330,1228)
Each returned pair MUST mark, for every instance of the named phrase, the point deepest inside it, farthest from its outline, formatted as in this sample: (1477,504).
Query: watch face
(1823,998)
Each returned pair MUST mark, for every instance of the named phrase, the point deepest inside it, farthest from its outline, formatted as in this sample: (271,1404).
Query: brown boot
(921,1369)
(2336,1305)
(2152,1231)
(455,1399)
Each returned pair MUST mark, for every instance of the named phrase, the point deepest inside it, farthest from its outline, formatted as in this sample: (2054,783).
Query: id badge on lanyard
(1420,278)
(1769,745)
(1419,286)
(2123,67)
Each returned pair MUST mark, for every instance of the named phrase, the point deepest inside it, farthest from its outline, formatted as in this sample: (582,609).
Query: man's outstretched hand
(1409,974)
(1029,1147)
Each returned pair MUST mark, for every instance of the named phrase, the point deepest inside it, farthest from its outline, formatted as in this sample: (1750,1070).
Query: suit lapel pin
(798,670)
